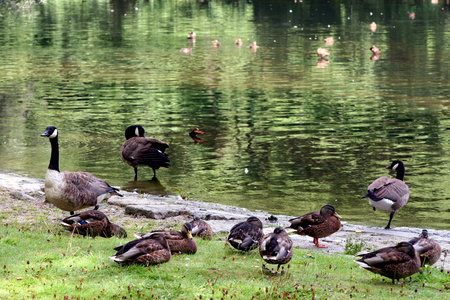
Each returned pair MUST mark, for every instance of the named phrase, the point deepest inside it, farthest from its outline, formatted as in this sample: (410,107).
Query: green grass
(39,261)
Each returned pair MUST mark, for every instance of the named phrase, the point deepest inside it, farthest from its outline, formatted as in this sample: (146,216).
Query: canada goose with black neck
(139,151)
(388,193)
(71,191)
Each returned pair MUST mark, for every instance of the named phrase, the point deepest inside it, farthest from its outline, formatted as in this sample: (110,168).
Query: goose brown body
(178,241)
(71,191)
(393,262)
(93,223)
(140,151)
(429,250)
(246,236)
(387,193)
(150,250)
(201,229)
(277,247)
(318,224)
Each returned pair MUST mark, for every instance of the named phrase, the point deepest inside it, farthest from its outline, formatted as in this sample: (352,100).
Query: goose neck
(54,158)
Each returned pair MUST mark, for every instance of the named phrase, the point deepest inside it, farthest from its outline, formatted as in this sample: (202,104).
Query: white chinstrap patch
(54,134)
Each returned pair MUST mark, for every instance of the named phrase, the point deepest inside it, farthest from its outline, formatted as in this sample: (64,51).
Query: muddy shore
(23,198)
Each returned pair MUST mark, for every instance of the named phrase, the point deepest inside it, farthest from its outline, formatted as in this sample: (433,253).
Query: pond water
(285,132)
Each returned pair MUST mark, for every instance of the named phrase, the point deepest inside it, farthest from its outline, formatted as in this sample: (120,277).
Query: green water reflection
(308,134)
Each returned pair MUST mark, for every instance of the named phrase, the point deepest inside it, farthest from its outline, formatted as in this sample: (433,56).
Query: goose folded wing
(391,189)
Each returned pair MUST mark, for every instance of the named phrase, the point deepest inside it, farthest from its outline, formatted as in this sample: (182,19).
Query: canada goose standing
(71,191)
(277,247)
(93,223)
(429,250)
(388,193)
(393,262)
(139,151)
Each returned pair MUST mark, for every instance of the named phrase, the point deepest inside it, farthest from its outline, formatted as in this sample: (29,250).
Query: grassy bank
(39,261)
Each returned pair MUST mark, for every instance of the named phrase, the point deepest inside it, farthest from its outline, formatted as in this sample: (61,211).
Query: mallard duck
(201,229)
(429,250)
(193,135)
(93,223)
(373,26)
(140,151)
(322,52)
(387,193)
(246,235)
(375,50)
(238,42)
(71,191)
(216,43)
(253,46)
(317,224)
(179,242)
(277,247)
(329,41)
(151,250)
(194,132)
(192,35)
(393,262)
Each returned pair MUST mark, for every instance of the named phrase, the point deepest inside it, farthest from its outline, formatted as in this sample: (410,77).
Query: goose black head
(50,132)
(134,131)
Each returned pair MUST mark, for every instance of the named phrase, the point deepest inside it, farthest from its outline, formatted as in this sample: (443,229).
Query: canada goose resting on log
(71,191)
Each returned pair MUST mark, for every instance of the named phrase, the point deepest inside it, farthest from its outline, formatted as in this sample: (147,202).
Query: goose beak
(46,133)
(337,216)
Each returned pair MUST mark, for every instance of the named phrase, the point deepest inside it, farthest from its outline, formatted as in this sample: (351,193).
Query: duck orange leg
(316,242)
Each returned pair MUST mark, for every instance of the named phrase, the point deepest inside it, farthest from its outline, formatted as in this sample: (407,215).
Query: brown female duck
(329,41)
(393,262)
(322,52)
(246,235)
(150,250)
(429,250)
(192,35)
(387,193)
(140,151)
(317,224)
(179,241)
(277,247)
(93,223)
(216,43)
(201,229)
(253,46)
